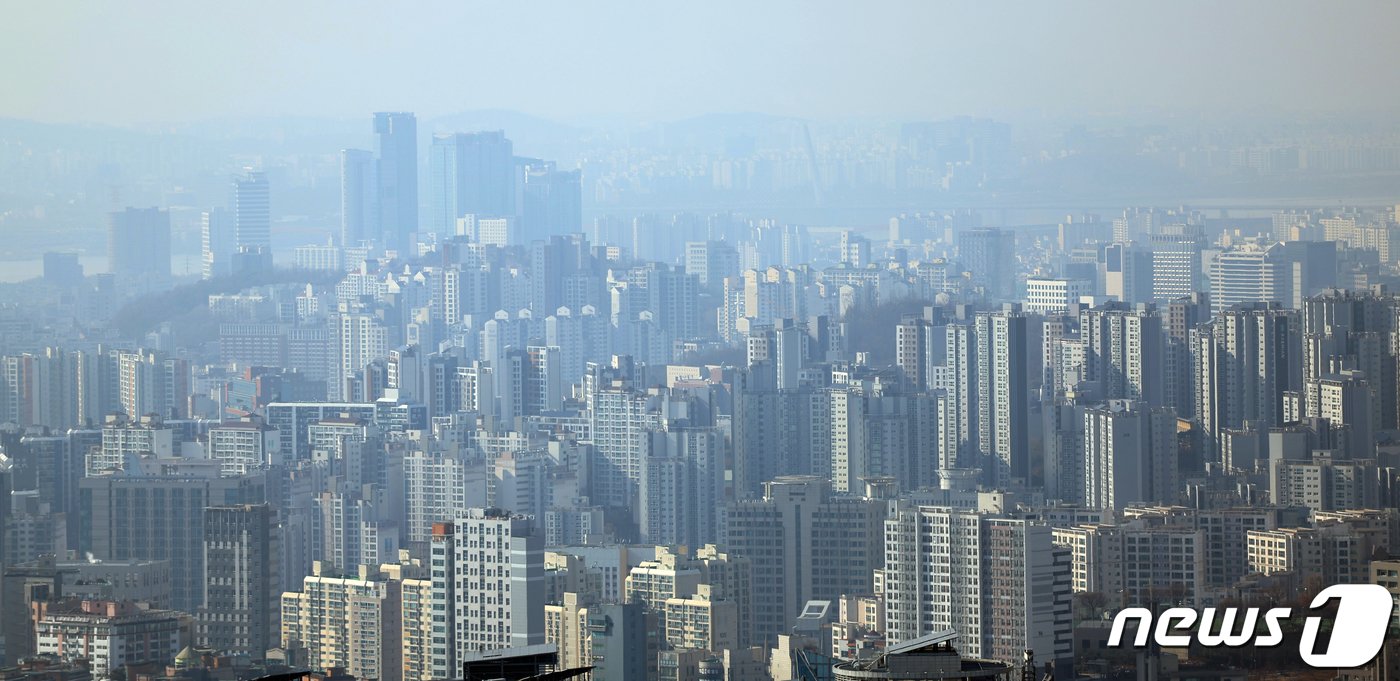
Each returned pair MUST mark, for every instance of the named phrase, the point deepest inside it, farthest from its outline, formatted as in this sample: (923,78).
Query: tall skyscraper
(396,146)
(359,197)
(242,608)
(252,211)
(469,174)
(552,201)
(1003,396)
(138,243)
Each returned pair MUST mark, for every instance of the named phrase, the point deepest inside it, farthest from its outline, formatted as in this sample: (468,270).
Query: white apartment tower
(1129,455)
(1001,583)
(1122,353)
(488,575)
(1002,396)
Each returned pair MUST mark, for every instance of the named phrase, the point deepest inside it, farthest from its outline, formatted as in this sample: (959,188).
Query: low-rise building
(110,634)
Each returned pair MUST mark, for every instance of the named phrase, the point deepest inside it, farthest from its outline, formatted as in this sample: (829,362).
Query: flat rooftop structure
(525,663)
(928,658)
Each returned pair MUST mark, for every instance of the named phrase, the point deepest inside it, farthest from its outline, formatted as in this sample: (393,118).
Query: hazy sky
(146,61)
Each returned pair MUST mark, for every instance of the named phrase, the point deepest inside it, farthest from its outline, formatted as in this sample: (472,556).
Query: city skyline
(477,341)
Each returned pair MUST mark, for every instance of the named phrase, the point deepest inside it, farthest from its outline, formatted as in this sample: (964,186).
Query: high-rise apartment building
(1351,331)
(1225,530)
(1245,360)
(617,636)
(959,380)
(125,441)
(352,621)
(1000,583)
(804,543)
(1130,455)
(1003,395)
(1122,353)
(711,262)
(1180,319)
(439,487)
(621,419)
(876,434)
(360,338)
(1137,562)
(487,571)
(1327,483)
(150,382)
(854,249)
(912,341)
(243,446)
(681,489)
(354,526)
(1334,550)
(54,388)
(705,620)
(670,294)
